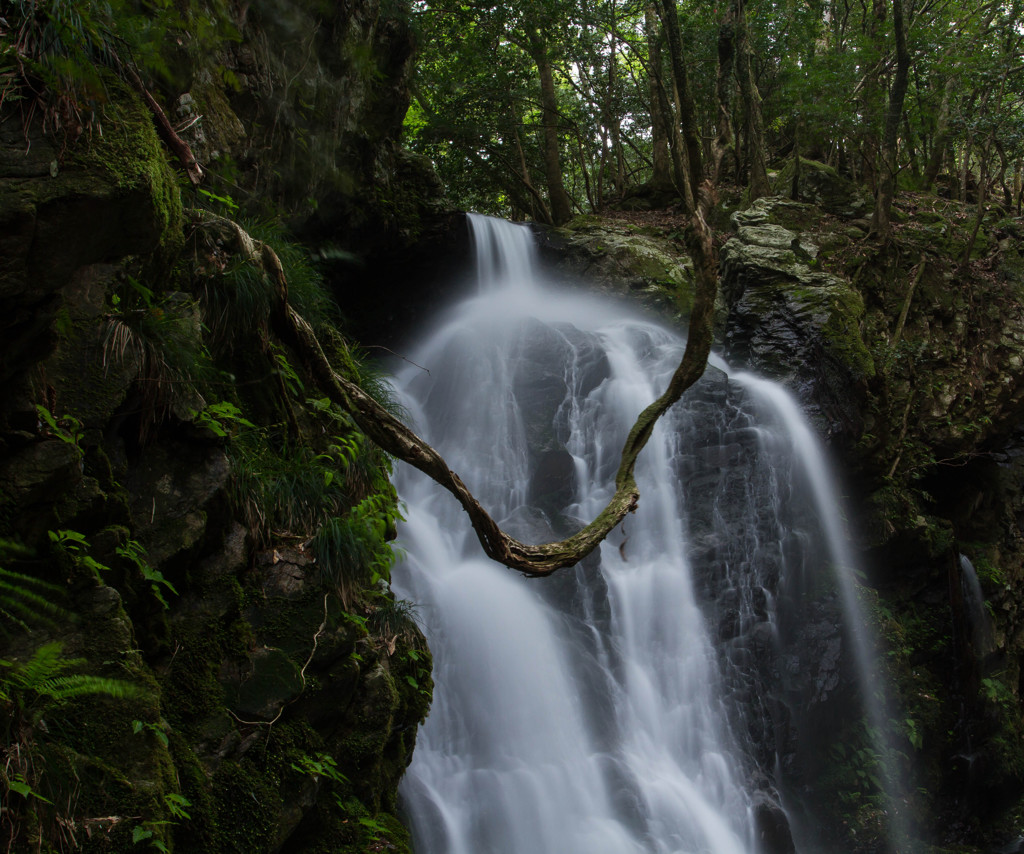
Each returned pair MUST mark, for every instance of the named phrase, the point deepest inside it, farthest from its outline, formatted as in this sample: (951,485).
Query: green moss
(247,805)
(130,152)
(193,694)
(843,332)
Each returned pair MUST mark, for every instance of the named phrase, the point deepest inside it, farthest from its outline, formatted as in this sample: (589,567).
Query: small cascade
(633,703)
(979,621)
(806,448)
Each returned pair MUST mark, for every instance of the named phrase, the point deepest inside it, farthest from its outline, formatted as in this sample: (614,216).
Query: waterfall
(632,703)
(979,622)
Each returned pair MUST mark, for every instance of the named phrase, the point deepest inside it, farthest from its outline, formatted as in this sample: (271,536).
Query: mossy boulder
(790,320)
(623,260)
(821,185)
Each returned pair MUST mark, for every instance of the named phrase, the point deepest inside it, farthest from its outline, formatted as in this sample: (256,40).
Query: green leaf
(20,787)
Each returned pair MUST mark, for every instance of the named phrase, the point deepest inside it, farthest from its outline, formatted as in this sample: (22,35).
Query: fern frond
(45,674)
(26,600)
(45,664)
(82,685)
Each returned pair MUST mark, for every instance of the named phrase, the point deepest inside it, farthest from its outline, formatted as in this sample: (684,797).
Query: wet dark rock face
(794,323)
(542,392)
(908,365)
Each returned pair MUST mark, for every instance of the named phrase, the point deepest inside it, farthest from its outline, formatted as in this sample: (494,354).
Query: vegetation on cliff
(199,650)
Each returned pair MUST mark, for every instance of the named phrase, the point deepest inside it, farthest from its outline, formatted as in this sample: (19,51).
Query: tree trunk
(726,65)
(794,193)
(538,208)
(753,120)
(941,140)
(888,167)
(1018,184)
(1004,165)
(611,114)
(965,170)
(687,110)
(872,98)
(561,206)
(982,199)
(913,156)
(661,178)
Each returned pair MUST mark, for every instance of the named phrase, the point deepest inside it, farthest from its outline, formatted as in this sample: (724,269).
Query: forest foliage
(926,93)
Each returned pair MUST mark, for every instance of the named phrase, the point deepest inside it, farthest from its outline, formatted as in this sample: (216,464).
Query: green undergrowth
(225,666)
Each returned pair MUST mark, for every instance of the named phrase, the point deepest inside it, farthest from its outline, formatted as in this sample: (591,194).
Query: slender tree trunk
(1018,184)
(561,206)
(982,199)
(953,169)
(753,120)
(965,170)
(912,152)
(795,188)
(585,169)
(538,208)
(871,99)
(612,121)
(687,109)
(726,66)
(889,165)
(661,178)
(680,175)
(941,140)
(1004,164)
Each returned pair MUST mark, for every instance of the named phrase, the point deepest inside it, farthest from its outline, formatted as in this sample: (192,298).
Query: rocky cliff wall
(198,650)
(907,361)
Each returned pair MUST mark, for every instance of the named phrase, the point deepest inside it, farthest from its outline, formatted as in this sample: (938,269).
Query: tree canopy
(560,107)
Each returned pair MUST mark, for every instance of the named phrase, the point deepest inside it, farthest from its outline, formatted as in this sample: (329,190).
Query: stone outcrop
(793,322)
(642,265)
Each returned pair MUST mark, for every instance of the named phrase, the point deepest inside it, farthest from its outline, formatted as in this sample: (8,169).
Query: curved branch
(397,439)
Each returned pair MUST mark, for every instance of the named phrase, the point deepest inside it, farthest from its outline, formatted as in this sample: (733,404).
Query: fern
(163,344)
(43,680)
(291,490)
(61,50)
(29,690)
(355,550)
(27,601)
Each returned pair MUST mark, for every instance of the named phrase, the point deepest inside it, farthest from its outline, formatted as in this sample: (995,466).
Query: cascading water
(624,706)
(979,623)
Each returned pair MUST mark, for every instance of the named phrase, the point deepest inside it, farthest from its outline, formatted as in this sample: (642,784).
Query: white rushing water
(621,706)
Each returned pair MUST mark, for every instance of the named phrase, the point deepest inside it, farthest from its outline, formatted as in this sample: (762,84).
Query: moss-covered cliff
(199,650)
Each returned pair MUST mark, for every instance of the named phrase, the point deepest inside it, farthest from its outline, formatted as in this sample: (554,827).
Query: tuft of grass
(289,491)
(241,298)
(355,551)
(395,618)
(162,342)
